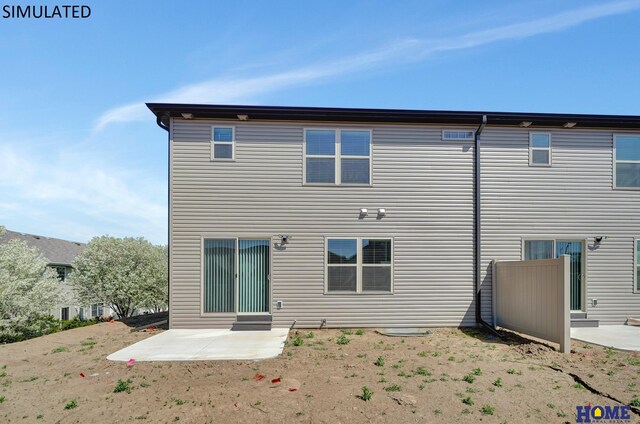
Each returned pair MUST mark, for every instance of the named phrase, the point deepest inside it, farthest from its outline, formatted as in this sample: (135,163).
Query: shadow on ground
(159,320)
(508,338)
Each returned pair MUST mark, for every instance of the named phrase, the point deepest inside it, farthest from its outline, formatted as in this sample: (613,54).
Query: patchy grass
(487,410)
(366,394)
(469,377)
(123,386)
(343,339)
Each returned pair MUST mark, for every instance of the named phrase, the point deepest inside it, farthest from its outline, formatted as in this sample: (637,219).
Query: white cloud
(80,190)
(234,90)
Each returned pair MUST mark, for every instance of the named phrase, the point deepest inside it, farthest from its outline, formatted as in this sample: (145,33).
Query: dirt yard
(451,376)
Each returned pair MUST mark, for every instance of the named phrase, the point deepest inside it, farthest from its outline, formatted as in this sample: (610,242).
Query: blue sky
(81,156)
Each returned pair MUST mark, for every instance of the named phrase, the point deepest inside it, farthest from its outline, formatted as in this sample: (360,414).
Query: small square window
(539,149)
(222,143)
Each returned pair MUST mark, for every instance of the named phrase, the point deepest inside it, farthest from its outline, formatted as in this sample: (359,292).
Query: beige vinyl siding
(573,199)
(424,183)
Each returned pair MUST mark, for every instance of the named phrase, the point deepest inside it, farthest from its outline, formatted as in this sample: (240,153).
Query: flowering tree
(126,273)
(29,289)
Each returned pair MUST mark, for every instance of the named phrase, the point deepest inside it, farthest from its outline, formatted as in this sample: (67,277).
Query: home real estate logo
(32,11)
(603,414)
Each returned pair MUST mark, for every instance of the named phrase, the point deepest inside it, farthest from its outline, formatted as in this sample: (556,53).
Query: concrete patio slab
(622,337)
(206,345)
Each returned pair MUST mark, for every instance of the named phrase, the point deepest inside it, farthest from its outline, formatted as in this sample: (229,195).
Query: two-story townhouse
(374,217)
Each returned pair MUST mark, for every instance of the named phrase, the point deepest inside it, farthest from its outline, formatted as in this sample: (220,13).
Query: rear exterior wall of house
(573,199)
(425,184)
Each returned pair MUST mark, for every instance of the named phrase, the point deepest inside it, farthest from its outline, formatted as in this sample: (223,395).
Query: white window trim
(615,161)
(358,266)
(635,265)
(235,312)
(444,130)
(336,157)
(531,149)
(232,143)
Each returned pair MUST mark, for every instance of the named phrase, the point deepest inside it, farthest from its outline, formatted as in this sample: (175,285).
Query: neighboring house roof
(56,251)
(287,113)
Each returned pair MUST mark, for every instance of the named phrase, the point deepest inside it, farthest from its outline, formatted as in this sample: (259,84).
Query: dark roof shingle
(56,251)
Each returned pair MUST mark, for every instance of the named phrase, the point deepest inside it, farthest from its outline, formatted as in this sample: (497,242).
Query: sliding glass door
(219,275)
(547,249)
(575,250)
(253,276)
(236,274)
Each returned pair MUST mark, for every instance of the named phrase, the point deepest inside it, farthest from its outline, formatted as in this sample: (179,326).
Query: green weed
(487,410)
(366,394)
(122,386)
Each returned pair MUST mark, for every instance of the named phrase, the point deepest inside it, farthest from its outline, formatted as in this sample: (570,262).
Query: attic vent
(457,135)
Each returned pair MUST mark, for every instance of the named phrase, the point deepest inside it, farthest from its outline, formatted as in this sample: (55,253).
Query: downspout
(166,128)
(477,226)
(161,124)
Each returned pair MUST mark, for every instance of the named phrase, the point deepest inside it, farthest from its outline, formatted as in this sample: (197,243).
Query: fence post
(494,292)
(565,328)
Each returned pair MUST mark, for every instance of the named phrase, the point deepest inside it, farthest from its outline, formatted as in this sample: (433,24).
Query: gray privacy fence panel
(532,297)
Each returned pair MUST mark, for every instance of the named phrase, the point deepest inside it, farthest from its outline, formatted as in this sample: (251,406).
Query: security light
(243,117)
(526,124)
(569,124)
(187,115)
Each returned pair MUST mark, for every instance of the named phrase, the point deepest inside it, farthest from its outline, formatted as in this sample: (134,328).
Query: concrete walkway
(622,337)
(206,345)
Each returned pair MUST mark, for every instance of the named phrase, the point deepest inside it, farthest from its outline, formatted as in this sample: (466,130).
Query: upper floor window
(626,167)
(539,149)
(457,135)
(337,157)
(222,143)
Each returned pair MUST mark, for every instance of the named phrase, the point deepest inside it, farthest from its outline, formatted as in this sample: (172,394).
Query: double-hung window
(222,143)
(626,162)
(339,157)
(539,149)
(359,265)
